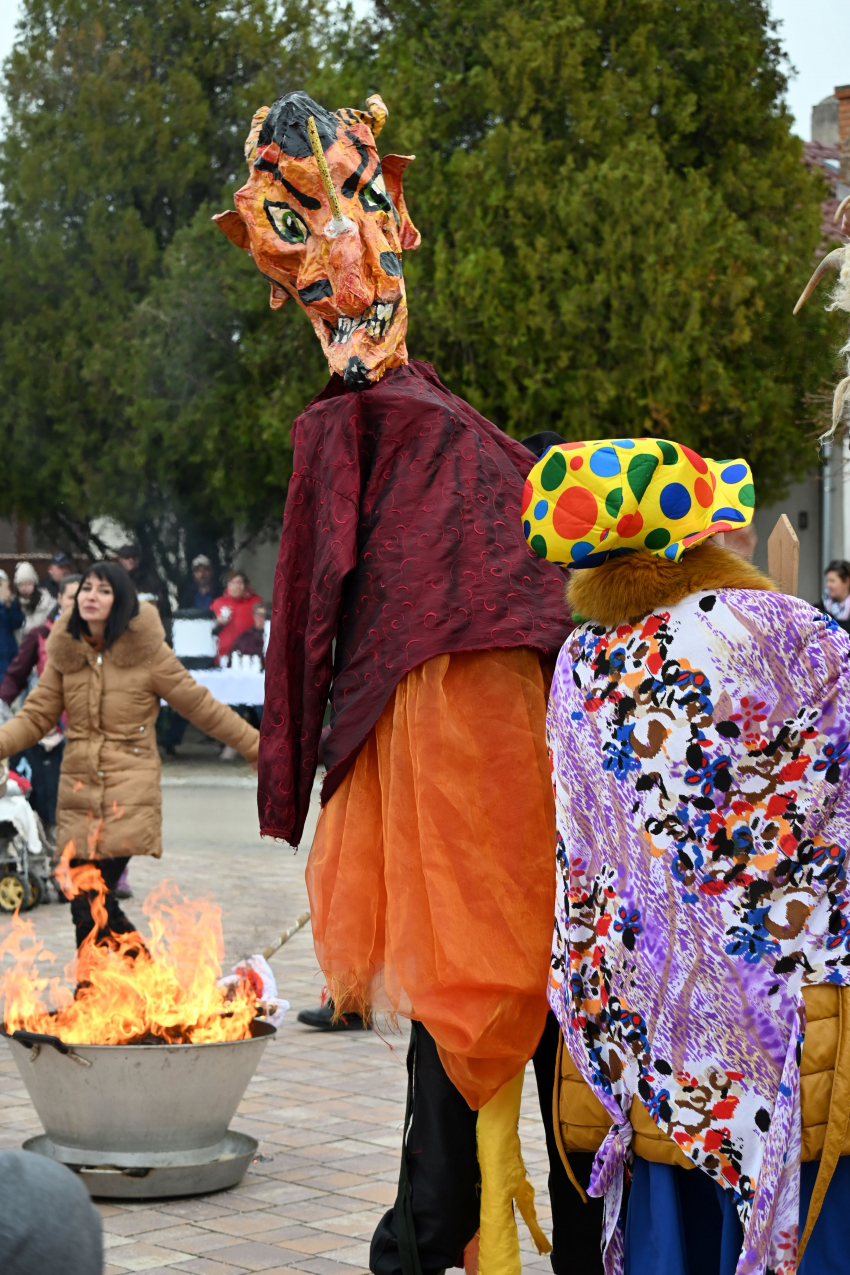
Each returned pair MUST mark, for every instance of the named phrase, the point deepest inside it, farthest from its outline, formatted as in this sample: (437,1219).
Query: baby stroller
(26,857)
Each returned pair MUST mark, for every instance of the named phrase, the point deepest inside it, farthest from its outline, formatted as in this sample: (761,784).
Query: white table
(232,686)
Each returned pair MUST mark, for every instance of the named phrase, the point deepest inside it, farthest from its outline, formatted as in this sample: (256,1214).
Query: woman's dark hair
(840,567)
(29,605)
(125,607)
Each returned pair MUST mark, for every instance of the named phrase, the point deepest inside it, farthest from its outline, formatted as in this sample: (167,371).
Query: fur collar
(627,588)
(141,639)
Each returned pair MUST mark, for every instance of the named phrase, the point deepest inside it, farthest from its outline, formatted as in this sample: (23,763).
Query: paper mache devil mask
(326,223)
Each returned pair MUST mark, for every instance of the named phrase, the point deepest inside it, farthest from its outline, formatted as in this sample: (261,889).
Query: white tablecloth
(232,686)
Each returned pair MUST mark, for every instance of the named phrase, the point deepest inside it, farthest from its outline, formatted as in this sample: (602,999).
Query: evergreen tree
(616,220)
(213,382)
(616,223)
(124,118)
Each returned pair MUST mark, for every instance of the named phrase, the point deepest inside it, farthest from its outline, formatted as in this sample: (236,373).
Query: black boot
(323,1019)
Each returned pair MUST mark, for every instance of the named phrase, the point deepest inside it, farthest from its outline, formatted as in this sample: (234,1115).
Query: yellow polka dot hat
(585,501)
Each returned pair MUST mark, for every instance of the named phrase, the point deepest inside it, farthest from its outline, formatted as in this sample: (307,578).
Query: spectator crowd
(235,615)
(232,622)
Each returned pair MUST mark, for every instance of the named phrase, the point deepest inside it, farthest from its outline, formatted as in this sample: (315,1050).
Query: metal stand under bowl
(223,1168)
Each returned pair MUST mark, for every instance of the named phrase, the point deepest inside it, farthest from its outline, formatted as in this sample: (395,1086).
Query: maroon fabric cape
(402,540)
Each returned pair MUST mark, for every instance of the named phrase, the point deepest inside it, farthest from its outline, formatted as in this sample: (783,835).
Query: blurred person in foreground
(59,566)
(108,666)
(836,594)
(48,1223)
(12,618)
(200,594)
(37,603)
(234,610)
(43,759)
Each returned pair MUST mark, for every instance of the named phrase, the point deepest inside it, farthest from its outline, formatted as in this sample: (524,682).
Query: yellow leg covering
(503,1181)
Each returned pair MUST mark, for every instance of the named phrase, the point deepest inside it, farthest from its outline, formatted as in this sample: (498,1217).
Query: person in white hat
(36,602)
(200,593)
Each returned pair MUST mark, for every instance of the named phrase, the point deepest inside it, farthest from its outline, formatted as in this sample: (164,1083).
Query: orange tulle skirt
(432,871)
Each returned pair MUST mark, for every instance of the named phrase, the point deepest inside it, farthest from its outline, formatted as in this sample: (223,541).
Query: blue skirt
(679,1222)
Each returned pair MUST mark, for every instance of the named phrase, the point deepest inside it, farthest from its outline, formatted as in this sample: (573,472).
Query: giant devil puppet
(404,583)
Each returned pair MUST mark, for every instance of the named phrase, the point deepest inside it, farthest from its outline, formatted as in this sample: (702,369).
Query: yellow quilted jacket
(582,1123)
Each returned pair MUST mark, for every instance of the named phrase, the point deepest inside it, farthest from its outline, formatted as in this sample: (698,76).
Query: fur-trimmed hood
(141,640)
(627,588)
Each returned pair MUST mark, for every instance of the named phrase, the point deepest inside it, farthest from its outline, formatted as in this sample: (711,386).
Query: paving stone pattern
(326,1109)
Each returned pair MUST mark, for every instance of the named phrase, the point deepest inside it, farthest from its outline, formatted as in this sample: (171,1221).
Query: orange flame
(127,990)
(63,871)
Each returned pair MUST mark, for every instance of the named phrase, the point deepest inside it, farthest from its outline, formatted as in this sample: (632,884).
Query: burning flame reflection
(128,990)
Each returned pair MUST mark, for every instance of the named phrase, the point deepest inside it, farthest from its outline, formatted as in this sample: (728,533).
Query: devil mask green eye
(374,196)
(285,222)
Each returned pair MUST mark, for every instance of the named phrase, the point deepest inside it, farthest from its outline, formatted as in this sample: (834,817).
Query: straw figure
(406,591)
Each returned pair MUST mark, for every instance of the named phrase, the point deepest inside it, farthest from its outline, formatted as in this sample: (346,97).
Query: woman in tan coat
(108,666)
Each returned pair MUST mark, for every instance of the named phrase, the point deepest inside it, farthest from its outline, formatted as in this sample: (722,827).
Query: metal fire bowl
(139,1106)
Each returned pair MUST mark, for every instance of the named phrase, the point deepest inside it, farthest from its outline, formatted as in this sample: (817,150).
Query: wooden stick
(287,934)
(783,556)
(324,171)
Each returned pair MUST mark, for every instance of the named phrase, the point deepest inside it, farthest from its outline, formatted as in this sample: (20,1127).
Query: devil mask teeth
(344,328)
(378,318)
(375,320)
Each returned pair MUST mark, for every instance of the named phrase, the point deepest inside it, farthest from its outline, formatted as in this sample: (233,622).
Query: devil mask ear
(393,166)
(232,225)
(374,114)
(250,147)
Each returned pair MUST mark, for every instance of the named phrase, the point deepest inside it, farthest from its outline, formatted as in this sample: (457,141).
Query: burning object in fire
(138,1071)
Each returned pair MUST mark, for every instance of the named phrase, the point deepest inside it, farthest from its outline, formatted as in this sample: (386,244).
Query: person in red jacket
(234,610)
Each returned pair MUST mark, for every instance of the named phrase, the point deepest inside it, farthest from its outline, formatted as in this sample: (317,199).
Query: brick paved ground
(327,1110)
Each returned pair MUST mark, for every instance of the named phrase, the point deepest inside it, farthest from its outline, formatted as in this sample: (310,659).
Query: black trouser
(117,922)
(576,1226)
(170,727)
(436,1212)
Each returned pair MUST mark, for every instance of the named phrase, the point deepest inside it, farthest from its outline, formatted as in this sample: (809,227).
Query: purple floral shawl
(700,764)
